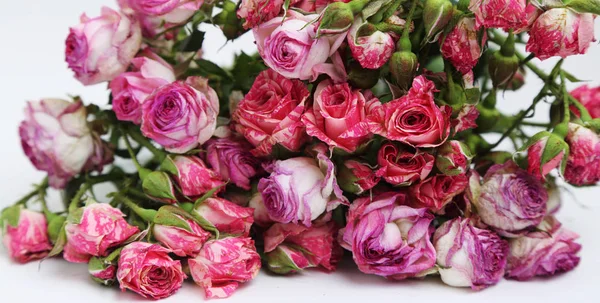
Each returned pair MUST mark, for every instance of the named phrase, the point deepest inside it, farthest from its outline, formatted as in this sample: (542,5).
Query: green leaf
(584,6)
(209,69)
(245,70)
(209,194)
(193,42)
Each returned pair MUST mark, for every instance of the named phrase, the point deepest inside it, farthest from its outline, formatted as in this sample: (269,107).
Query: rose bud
(504,14)
(545,252)
(102,271)
(178,231)
(339,116)
(180,116)
(170,11)
(24,234)
(337,18)
(231,159)
(357,177)
(388,238)
(510,200)
(400,166)
(560,32)
(227,217)
(224,264)
(270,113)
(95,229)
(436,192)
(192,176)
(545,152)
(158,186)
(148,270)
(291,248)
(583,163)
(503,64)
(469,256)
(453,158)
(257,12)
(517,81)
(462,46)
(99,49)
(403,65)
(589,97)
(130,89)
(370,47)
(436,15)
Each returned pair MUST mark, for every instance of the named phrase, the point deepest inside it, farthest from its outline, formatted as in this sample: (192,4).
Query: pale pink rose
(193,177)
(130,89)
(371,50)
(231,158)
(583,163)
(28,240)
(463,46)
(437,192)
(256,12)
(561,32)
(224,264)
(546,154)
(401,166)
(357,177)
(181,241)
(589,97)
(261,215)
(94,231)
(148,270)
(170,11)
(505,14)
(101,48)
(228,217)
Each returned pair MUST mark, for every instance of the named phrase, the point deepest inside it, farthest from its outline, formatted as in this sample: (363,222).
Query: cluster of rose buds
(356,129)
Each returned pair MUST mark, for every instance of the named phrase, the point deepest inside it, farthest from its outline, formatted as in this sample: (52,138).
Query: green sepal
(280,263)
(584,6)
(158,185)
(553,148)
(169,215)
(373,7)
(54,227)
(10,216)
(75,216)
(169,166)
(61,241)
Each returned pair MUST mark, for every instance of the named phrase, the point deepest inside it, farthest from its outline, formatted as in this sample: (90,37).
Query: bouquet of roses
(360,126)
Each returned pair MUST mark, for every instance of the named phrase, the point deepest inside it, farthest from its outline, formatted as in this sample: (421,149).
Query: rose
(546,252)
(130,89)
(148,270)
(546,151)
(179,116)
(469,256)
(232,160)
(436,192)
(338,116)
(102,154)
(453,158)
(357,177)
(560,32)
(99,49)
(193,177)
(25,234)
(371,48)
(261,215)
(399,166)
(313,6)
(256,12)
(94,230)
(183,236)
(270,113)
(462,46)
(589,97)
(505,14)
(226,216)
(171,11)
(389,239)
(413,119)
(102,272)
(223,264)
(510,200)
(583,163)
(290,248)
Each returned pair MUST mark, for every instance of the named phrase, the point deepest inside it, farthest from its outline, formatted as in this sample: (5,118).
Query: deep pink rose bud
(99,49)
(130,89)
(401,166)
(453,158)
(270,113)
(291,248)
(227,217)
(148,270)
(462,46)
(224,264)
(388,238)
(561,32)
(169,11)
(179,116)
(257,12)
(231,159)
(469,256)
(437,192)
(545,152)
(589,97)
(179,232)
(94,230)
(510,200)
(102,271)
(505,14)
(357,177)
(370,47)
(192,175)
(25,234)
(546,252)
(583,163)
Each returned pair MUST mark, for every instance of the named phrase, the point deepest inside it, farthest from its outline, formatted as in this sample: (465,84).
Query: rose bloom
(399,166)
(130,89)
(339,116)
(590,98)
(224,264)
(184,238)
(372,50)
(99,49)
(231,159)
(413,119)
(181,115)
(462,46)
(170,11)
(505,14)
(228,217)
(583,163)
(257,12)
(469,256)
(28,240)
(561,32)
(546,252)
(357,177)
(510,200)
(97,228)
(148,270)
(436,192)
(193,177)
(388,238)
(270,113)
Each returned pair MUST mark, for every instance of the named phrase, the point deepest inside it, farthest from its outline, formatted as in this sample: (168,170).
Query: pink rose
(399,166)
(101,48)
(257,12)
(357,177)
(388,238)
(231,159)
(505,14)
(179,116)
(338,116)
(462,46)
(436,192)
(25,239)
(583,163)
(313,6)
(193,177)
(130,89)
(102,272)
(223,264)
(413,119)
(372,49)
(261,215)
(453,158)
(183,236)
(589,97)
(561,32)
(545,154)
(270,113)
(94,230)
(170,11)
(148,270)
(227,217)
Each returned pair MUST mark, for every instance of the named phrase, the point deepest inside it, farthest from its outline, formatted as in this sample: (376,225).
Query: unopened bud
(436,15)
(363,78)
(337,18)
(453,158)
(404,64)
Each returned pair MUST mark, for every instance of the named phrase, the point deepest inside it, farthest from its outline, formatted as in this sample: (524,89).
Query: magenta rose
(169,11)
(130,89)
(228,217)
(147,270)
(224,264)
(462,46)
(181,115)
(388,238)
(193,177)
(231,159)
(436,192)
(583,163)
(505,14)
(101,48)
(589,97)
(469,256)
(357,177)
(372,49)
(270,113)
(400,166)
(183,236)
(257,12)
(26,238)
(453,158)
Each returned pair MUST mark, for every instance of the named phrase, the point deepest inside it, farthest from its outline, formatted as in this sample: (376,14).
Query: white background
(32,66)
